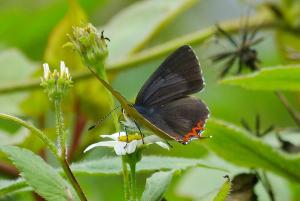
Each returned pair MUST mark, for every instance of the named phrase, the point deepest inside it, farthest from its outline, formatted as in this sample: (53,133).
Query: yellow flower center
(130,138)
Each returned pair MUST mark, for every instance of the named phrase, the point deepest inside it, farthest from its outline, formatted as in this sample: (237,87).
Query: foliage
(140,34)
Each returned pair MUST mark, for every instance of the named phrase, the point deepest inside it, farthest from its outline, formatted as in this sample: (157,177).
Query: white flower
(46,71)
(64,71)
(122,147)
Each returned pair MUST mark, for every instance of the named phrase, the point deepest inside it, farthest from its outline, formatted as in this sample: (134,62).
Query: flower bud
(56,84)
(90,44)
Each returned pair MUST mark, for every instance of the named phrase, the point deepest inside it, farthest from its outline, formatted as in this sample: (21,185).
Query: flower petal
(157,140)
(120,148)
(163,145)
(46,70)
(114,136)
(152,139)
(62,68)
(131,146)
(100,144)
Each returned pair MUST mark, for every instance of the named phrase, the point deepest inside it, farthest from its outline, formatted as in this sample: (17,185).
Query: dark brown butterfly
(163,104)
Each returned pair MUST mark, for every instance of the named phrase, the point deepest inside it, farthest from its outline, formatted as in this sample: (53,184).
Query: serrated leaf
(147,164)
(236,145)
(273,78)
(156,186)
(224,191)
(113,166)
(135,25)
(38,174)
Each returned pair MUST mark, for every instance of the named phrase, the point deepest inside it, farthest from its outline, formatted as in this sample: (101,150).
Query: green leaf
(295,191)
(13,186)
(156,185)
(224,191)
(274,78)
(133,27)
(113,166)
(239,147)
(147,164)
(38,174)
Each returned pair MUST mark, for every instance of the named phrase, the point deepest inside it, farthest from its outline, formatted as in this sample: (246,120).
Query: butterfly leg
(142,135)
(127,140)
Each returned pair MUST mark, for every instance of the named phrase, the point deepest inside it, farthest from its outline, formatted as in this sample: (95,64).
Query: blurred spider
(243,52)
(257,132)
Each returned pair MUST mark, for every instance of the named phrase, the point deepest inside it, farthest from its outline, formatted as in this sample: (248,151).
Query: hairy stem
(262,20)
(61,134)
(60,128)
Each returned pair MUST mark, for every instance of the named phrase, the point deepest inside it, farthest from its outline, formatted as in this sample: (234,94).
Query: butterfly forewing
(179,75)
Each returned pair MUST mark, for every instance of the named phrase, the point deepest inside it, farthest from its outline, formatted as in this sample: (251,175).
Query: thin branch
(65,165)
(294,114)
(263,20)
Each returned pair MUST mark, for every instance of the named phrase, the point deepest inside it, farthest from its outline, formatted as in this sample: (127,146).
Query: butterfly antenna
(104,118)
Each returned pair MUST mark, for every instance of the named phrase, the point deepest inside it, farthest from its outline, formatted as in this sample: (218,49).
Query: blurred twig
(295,115)
(262,20)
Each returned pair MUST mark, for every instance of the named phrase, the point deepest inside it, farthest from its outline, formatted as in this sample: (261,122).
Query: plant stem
(61,134)
(263,20)
(294,114)
(125,179)
(132,165)
(102,73)
(72,179)
(52,147)
(34,130)
(60,128)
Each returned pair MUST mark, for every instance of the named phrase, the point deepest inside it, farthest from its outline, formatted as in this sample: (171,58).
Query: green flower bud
(56,84)
(90,44)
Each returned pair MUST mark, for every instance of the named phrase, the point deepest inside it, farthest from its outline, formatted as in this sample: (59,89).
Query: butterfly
(164,105)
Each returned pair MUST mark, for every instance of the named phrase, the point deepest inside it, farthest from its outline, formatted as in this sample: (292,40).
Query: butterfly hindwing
(178,118)
(178,76)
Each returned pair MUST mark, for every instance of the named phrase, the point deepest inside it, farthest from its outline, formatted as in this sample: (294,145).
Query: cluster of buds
(90,44)
(55,83)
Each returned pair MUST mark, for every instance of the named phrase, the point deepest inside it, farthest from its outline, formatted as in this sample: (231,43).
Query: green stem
(261,20)
(60,128)
(102,73)
(34,130)
(52,147)
(61,134)
(125,179)
(72,179)
(132,165)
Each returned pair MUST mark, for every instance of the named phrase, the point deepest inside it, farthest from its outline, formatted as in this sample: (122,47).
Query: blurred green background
(32,32)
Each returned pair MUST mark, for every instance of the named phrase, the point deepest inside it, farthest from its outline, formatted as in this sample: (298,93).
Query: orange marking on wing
(194,133)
